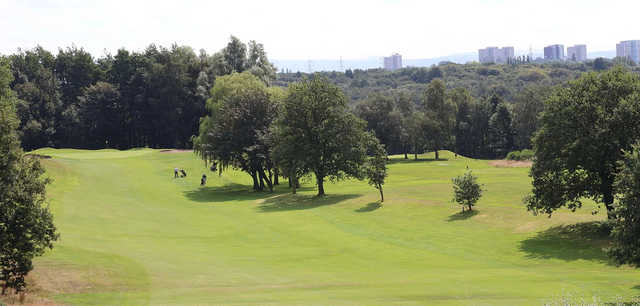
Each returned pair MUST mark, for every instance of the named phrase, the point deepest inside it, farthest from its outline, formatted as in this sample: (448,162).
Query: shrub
(525,154)
(466,190)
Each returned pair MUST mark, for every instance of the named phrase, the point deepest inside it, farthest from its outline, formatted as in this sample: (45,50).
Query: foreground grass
(131,234)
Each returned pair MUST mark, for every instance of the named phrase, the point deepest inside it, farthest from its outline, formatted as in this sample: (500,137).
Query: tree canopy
(584,129)
(327,139)
(626,227)
(233,134)
(26,225)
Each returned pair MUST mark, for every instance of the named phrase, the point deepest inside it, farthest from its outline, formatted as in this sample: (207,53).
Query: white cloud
(318,29)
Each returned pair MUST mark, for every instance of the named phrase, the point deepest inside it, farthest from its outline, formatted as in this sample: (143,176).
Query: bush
(466,190)
(525,154)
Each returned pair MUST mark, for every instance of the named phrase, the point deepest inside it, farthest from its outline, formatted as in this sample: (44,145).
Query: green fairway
(132,234)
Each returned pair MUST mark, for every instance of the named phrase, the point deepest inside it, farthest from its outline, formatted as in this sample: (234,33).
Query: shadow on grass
(233,192)
(570,242)
(412,160)
(370,207)
(463,215)
(286,202)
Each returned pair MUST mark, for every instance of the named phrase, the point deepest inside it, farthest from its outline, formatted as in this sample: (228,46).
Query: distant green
(131,234)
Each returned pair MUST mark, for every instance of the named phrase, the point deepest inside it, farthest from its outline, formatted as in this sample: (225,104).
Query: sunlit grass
(132,234)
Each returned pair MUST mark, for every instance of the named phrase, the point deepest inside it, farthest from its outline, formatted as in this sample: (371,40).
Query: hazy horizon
(291,30)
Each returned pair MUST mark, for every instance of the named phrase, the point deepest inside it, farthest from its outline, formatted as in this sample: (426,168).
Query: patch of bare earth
(38,156)
(511,163)
(45,282)
(175,151)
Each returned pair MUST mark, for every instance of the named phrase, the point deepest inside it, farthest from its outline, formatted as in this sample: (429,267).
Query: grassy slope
(131,234)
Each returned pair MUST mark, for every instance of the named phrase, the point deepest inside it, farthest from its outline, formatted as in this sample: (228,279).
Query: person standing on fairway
(203,180)
(175,172)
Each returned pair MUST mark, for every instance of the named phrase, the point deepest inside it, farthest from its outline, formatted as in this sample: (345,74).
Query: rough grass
(131,234)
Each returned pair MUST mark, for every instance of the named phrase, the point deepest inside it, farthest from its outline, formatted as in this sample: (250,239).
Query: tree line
(156,97)
(305,130)
(152,98)
(441,118)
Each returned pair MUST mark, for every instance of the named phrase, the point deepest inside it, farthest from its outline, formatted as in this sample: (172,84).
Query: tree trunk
(470,207)
(276,174)
(294,183)
(254,176)
(437,155)
(381,194)
(405,155)
(289,178)
(606,188)
(608,203)
(415,156)
(261,177)
(264,177)
(320,180)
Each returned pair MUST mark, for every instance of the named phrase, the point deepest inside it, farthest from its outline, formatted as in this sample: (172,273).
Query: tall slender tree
(440,114)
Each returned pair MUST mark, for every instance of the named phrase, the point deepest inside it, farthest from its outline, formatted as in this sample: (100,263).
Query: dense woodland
(152,98)
(491,109)
(156,97)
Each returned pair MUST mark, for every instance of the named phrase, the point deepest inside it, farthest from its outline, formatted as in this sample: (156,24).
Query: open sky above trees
(412,28)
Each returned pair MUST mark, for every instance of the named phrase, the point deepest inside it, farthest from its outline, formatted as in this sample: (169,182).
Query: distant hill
(316,65)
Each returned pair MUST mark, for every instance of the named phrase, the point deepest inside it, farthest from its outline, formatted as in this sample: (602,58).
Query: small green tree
(376,166)
(626,227)
(466,190)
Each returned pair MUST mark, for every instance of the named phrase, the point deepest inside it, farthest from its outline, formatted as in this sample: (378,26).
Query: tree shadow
(234,192)
(570,242)
(369,207)
(287,202)
(463,215)
(412,160)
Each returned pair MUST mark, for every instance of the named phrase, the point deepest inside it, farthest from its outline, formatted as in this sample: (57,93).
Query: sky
(328,29)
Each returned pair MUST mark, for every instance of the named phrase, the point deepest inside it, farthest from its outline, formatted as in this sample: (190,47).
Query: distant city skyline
(330,29)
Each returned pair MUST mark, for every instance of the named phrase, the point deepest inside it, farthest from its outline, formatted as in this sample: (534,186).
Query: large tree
(626,227)
(501,131)
(235,132)
(440,113)
(40,108)
(103,116)
(528,104)
(584,129)
(382,119)
(463,123)
(26,225)
(76,70)
(329,140)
